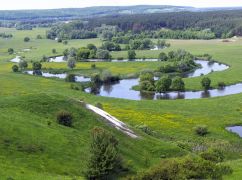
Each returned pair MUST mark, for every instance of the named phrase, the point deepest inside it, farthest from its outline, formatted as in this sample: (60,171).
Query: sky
(51,4)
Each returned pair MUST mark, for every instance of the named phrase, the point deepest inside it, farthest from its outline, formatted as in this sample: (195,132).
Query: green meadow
(34,146)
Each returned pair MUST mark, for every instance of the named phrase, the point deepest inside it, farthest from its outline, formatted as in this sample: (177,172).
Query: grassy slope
(172,120)
(31,139)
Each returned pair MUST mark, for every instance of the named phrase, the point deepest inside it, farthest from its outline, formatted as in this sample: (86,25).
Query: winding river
(123,88)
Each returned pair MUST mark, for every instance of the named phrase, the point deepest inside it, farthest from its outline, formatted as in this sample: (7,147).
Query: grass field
(30,148)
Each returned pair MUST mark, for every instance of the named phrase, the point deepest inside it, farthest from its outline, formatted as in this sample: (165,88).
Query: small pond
(61,76)
(235,129)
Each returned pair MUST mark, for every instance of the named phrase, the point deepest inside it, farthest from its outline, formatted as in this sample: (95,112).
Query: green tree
(91,47)
(104,158)
(163,84)
(26,39)
(131,54)
(103,54)
(22,64)
(10,51)
(37,66)
(83,53)
(54,51)
(206,82)
(71,63)
(15,68)
(163,56)
(147,82)
(178,84)
(38,36)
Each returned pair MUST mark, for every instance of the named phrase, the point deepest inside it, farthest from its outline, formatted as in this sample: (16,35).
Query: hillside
(72,13)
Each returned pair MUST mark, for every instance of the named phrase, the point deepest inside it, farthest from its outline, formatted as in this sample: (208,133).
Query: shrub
(96,79)
(163,84)
(213,155)
(163,56)
(120,58)
(23,64)
(185,168)
(104,158)
(70,78)
(10,51)
(54,51)
(201,130)
(26,39)
(15,68)
(206,82)
(64,118)
(103,54)
(178,84)
(131,54)
(38,36)
(221,85)
(44,58)
(36,66)
(71,63)
(93,66)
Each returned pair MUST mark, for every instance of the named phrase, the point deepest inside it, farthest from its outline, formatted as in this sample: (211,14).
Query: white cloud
(49,4)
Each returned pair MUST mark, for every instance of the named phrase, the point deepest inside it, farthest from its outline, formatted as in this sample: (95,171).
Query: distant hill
(72,13)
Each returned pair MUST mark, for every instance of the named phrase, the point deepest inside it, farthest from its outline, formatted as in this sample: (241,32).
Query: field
(32,148)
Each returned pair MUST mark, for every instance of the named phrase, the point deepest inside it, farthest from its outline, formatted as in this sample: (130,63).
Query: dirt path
(112,120)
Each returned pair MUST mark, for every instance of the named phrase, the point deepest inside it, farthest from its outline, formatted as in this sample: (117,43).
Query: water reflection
(122,89)
(60,76)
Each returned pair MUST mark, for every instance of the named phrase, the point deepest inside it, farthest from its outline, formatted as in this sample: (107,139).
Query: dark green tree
(26,39)
(10,51)
(15,68)
(178,84)
(131,54)
(163,84)
(104,159)
(206,82)
(163,56)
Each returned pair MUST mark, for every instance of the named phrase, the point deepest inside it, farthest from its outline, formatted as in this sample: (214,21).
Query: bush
(71,63)
(221,85)
(163,84)
(10,51)
(163,56)
(104,157)
(23,64)
(64,118)
(201,130)
(15,68)
(70,78)
(213,155)
(93,66)
(185,168)
(54,51)
(26,39)
(131,54)
(206,82)
(37,66)
(178,84)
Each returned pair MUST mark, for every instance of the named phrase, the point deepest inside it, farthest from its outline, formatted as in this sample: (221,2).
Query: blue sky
(49,4)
